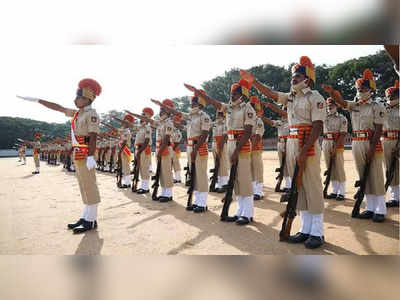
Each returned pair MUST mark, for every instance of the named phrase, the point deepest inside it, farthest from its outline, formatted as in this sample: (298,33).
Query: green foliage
(13,128)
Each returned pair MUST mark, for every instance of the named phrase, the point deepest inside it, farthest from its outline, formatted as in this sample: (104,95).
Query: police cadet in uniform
(125,155)
(164,133)
(23,153)
(36,150)
(306,113)
(257,165)
(143,150)
(220,138)
(367,116)
(241,118)
(200,124)
(176,155)
(390,137)
(84,130)
(335,130)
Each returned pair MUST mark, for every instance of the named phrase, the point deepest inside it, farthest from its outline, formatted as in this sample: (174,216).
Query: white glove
(31,99)
(90,162)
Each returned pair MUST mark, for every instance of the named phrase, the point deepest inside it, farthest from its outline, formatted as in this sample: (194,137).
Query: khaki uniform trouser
(107,157)
(337,173)
(96,155)
(388,146)
(176,165)
(257,167)
(201,176)
(36,159)
(375,181)
(166,180)
(285,168)
(243,184)
(223,161)
(310,196)
(87,183)
(144,166)
(126,164)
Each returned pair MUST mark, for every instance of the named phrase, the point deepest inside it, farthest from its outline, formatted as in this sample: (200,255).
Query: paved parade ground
(34,211)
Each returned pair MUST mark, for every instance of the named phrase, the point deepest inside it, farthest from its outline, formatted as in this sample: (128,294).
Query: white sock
(224,180)
(394,192)
(254,183)
(127,179)
(200,198)
(306,222)
(248,207)
(288,182)
(145,184)
(370,202)
(218,184)
(380,204)
(260,189)
(317,227)
(91,213)
(335,187)
(85,212)
(177,175)
(168,192)
(239,210)
(342,188)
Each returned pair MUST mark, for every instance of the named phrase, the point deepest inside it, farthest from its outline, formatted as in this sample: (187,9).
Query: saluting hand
(31,99)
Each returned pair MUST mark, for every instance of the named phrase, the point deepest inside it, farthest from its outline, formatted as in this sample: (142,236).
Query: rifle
(187,174)
(156,179)
(229,192)
(119,172)
(291,198)
(328,174)
(280,175)
(191,186)
(135,180)
(140,117)
(359,196)
(392,169)
(215,175)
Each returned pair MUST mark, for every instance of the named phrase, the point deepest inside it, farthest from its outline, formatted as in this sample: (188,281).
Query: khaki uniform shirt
(335,123)
(144,132)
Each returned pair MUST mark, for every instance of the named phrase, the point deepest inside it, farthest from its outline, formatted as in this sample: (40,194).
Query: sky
(130,76)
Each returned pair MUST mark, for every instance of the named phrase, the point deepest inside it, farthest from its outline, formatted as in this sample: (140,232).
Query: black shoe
(142,191)
(187,183)
(242,221)
(200,209)
(35,172)
(191,208)
(85,226)
(177,181)
(378,218)
(331,196)
(164,199)
(366,214)
(314,242)
(221,190)
(286,190)
(229,219)
(124,186)
(392,203)
(298,238)
(257,197)
(73,225)
(155,198)
(339,197)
